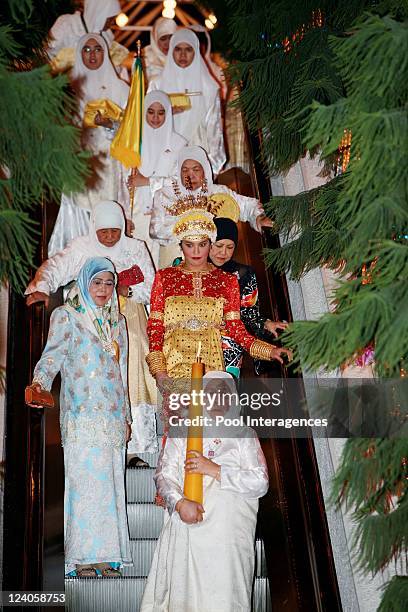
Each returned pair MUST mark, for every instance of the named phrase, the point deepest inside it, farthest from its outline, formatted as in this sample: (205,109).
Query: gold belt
(194,325)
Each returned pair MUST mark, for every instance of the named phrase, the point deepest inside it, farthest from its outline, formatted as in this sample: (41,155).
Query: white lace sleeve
(57,271)
(123,364)
(141,257)
(56,349)
(250,209)
(167,478)
(250,479)
(161,223)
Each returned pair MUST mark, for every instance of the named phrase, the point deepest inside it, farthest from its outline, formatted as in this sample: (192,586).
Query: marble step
(125,594)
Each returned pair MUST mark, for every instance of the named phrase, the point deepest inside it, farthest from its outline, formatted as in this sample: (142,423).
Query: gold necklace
(183,268)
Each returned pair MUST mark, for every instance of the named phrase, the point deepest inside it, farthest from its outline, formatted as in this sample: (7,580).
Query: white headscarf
(199,155)
(162,27)
(234,409)
(68,29)
(156,141)
(100,83)
(96,12)
(107,214)
(195,77)
(215,70)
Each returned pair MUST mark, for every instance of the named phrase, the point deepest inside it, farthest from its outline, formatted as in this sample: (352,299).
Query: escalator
(294,568)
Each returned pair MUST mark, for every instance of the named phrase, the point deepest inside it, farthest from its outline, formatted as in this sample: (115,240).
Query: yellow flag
(127,144)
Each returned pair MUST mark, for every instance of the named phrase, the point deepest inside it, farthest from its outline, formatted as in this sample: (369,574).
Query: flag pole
(134,170)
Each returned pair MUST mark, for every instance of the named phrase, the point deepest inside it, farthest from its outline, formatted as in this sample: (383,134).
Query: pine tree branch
(395,595)
(18,240)
(318,240)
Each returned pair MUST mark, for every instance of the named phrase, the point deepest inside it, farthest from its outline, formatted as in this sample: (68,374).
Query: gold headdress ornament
(224,205)
(197,211)
(195,225)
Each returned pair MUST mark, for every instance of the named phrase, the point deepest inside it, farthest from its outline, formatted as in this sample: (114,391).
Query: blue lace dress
(94,409)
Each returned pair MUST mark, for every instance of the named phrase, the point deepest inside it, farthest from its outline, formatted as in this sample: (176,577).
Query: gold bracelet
(261,350)
(156,362)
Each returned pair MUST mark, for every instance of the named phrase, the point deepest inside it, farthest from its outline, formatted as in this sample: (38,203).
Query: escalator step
(143,550)
(125,594)
(140,485)
(260,560)
(150,458)
(145,520)
(107,594)
(142,555)
(261,599)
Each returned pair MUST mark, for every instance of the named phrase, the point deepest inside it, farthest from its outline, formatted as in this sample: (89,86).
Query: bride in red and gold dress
(193,302)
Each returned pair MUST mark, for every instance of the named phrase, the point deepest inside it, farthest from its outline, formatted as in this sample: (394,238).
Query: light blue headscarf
(100,320)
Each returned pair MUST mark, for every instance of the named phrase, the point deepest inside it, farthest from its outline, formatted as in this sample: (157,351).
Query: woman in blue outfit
(87,343)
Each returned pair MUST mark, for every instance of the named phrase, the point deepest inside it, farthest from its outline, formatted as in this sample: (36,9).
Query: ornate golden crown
(195,225)
(185,203)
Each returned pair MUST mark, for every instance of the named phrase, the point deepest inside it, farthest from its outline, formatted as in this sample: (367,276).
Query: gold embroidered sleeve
(156,362)
(261,350)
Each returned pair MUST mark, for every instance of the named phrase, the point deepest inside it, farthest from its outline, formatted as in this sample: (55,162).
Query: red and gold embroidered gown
(188,307)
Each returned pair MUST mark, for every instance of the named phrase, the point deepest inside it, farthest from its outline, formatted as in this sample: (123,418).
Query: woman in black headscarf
(221,255)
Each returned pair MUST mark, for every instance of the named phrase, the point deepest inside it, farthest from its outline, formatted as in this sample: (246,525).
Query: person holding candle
(204,559)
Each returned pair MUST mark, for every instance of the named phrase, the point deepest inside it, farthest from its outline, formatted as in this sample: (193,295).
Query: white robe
(208,566)
(62,268)
(68,29)
(160,149)
(107,180)
(162,223)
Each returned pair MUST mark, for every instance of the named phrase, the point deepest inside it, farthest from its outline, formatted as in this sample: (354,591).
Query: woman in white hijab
(186,71)
(155,54)
(107,238)
(160,148)
(93,77)
(97,16)
(194,177)
(205,47)
(204,558)
(68,29)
